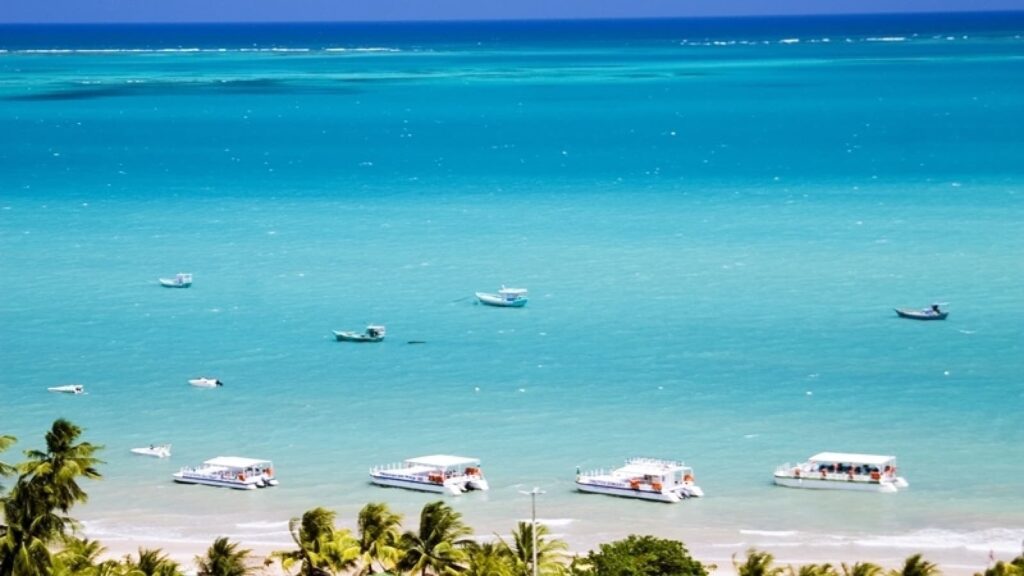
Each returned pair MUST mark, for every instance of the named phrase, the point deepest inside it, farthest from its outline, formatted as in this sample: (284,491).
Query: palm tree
(323,549)
(757,564)
(6,469)
(1001,568)
(917,566)
(814,570)
(223,558)
(61,464)
(550,553)
(80,555)
(151,562)
(489,559)
(379,538)
(37,506)
(438,547)
(862,569)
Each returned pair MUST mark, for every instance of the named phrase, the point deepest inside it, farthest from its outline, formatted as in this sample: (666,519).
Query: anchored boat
(506,297)
(437,473)
(179,281)
(374,333)
(154,450)
(643,478)
(204,382)
(230,472)
(69,389)
(933,313)
(843,471)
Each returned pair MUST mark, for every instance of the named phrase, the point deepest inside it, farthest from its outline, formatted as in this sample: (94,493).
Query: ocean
(715,220)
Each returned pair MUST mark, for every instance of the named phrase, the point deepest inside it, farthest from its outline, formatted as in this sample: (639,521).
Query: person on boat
(935,310)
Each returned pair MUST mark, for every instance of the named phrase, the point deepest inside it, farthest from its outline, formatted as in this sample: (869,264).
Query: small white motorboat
(230,472)
(374,333)
(437,473)
(181,280)
(505,298)
(154,450)
(69,389)
(204,382)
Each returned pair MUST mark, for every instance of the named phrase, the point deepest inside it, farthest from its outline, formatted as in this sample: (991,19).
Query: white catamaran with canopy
(230,472)
(436,473)
(843,471)
(643,478)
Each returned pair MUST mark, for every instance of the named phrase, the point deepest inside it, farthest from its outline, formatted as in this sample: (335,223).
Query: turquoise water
(714,218)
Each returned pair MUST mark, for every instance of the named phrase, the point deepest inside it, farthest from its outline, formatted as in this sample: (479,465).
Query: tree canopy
(643,556)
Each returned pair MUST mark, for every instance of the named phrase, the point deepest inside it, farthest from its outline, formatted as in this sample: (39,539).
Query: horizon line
(516,20)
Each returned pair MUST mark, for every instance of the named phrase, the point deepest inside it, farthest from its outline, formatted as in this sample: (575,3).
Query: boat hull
(174,284)
(218,482)
(73,389)
(155,452)
(494,300)
(355,337)
(816,483)
(919,315)
(626,492)
(452,488)
(205,382)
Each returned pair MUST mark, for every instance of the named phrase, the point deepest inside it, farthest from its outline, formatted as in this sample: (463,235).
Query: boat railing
(655,462)
(803,471)
(389,467)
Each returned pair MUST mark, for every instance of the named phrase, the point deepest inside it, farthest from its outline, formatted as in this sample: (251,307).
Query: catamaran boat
(179,281)
(506,297)
(204,382)
(438,473)
(644,478)
(842,471)
(69,389)
(154,450)
(374,333)
(230,472)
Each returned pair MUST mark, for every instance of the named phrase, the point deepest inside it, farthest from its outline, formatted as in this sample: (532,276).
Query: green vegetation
(642,556)
(38,538)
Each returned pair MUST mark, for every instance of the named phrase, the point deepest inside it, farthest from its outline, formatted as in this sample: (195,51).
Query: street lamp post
(533,521)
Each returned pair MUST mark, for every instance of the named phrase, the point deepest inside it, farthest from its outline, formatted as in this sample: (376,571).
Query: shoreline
(952,560)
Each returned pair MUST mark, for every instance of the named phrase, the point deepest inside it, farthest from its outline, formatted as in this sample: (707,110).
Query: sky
(77,11)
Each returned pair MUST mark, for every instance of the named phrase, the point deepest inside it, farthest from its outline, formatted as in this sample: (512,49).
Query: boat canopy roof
(873,459)
(652,466)
(236,462)
(512,291)
(443,461)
